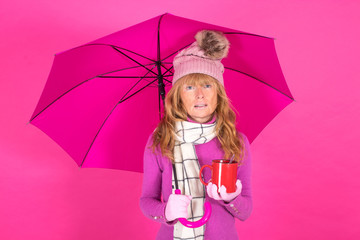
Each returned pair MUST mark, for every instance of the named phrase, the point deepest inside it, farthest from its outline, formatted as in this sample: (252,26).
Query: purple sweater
(156,189)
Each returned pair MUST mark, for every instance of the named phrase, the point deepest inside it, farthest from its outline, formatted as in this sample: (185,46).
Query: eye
(207,86)
(188,87)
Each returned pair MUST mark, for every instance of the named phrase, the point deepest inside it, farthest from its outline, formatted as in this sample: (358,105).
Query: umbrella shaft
(161,84)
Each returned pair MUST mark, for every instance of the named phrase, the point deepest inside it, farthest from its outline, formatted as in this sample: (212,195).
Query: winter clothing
(212,191)
(177,207)
(157,188)
(203,56)
(187,171)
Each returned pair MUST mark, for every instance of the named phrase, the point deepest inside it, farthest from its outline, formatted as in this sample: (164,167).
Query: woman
(198,126)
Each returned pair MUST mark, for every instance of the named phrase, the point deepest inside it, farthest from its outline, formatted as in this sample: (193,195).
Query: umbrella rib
(134,60)
(168,80)
(135,85)
(126,77)
(122,69)
(98,76)
(167,69)
(113,46)
(131,76)
(158,38)
(176,52)
(260,81)
(249,34)
(61,97)
(229,33)
(121,101)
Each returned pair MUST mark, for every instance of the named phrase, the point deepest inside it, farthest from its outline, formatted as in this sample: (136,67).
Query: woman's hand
(177,206)
(227,197)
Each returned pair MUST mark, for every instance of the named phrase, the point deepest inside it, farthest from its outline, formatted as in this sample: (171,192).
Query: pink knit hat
(203,56)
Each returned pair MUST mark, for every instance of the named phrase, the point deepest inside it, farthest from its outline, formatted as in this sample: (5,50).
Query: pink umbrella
(103,99)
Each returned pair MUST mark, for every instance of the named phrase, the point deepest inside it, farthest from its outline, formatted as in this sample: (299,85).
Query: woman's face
(199,101)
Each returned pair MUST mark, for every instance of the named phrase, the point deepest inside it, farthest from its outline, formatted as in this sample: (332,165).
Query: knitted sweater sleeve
(151,203)
(241,206)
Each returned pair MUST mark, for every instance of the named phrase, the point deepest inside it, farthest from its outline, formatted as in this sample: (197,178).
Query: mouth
(200,106)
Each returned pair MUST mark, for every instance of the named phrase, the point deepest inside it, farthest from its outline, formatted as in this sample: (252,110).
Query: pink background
(305,163)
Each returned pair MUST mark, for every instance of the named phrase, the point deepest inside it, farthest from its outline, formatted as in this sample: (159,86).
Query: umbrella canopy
(103,99)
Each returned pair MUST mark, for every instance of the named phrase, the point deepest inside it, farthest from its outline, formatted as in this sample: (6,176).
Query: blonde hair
(164,135)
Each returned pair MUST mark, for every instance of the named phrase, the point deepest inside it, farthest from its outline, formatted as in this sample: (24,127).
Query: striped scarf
(187,168)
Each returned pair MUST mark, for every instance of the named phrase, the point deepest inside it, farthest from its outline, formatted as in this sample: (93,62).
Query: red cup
(222,173)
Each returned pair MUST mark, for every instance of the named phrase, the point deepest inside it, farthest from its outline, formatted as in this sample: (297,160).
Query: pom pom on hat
(203,56)
(214,44)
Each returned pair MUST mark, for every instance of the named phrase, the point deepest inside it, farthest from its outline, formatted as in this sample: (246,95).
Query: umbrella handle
(199,222)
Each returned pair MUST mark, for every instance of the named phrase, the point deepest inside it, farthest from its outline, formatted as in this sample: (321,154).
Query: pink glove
(227,197)
(176,207)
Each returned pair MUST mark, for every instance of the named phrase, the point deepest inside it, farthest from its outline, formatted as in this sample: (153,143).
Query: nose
(199,93)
